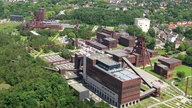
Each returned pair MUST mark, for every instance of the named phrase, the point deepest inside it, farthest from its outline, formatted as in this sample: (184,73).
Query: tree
(1,8)
(169,46)
(187,45)
(152,32)
(189,51)
(71,35)
(181,74)
(188,60)
(66,54)
(50,14)
(182,47)
(181,57)
(70,45)
(150,43)
(179,30)
(188,34)
(134,30)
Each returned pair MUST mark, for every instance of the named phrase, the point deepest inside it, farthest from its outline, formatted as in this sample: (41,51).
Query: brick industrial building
(135,58)
(96,45)
(114,84)
(110,42)
(128,41)
(16,18)
(39,22)
(164,67)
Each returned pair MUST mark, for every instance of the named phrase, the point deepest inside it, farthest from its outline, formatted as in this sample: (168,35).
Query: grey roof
(170,60)
(105,34)
(108,61)
(97,56)
(77,86)
(98,44)
(118,73)
(118,52)
(125,75)
(16,15)
(128,37)
(109,39)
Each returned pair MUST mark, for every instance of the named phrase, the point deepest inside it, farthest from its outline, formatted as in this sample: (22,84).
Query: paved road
(172,84)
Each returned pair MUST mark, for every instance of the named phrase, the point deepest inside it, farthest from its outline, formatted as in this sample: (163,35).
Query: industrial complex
(39,22)
(111,74)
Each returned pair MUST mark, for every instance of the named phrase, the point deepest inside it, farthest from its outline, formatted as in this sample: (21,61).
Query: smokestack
(84,67)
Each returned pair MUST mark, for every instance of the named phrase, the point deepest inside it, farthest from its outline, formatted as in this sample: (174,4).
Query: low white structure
(142,23)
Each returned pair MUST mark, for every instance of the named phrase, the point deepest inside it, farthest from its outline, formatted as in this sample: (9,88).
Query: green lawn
(144,87)
(182,85)
(8,27)
(144,103)
(161,52)
(3,84)
(153,61)
(151,71)
(161,106)
(184,68)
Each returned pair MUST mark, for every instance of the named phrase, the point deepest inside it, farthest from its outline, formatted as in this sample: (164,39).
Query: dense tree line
(187,59)
(98,16)
(84,32)
(32,85)
(23,8)
(173,12)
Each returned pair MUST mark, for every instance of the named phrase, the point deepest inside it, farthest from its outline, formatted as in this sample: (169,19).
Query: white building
(142,23)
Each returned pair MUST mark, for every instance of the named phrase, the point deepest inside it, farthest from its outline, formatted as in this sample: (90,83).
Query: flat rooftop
(98,44)
(105,34)
(128,37)
(163,66)
(77,86)
(118,52)
(108,61)
(119,73)
(109,39)
(97,56)
(170,60)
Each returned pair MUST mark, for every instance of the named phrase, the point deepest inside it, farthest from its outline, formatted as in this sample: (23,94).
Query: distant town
(96,53)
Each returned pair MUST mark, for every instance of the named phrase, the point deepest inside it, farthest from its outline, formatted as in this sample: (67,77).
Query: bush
(181,74)
(176,52)
(66,54)
(189,51)
(181,57)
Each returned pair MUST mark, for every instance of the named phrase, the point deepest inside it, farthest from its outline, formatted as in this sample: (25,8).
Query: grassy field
(9,26)
(184,68)
(154,60)
(161,106)
(182,85)
(3,85)
(151,71)
(144,103)
(161,51)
